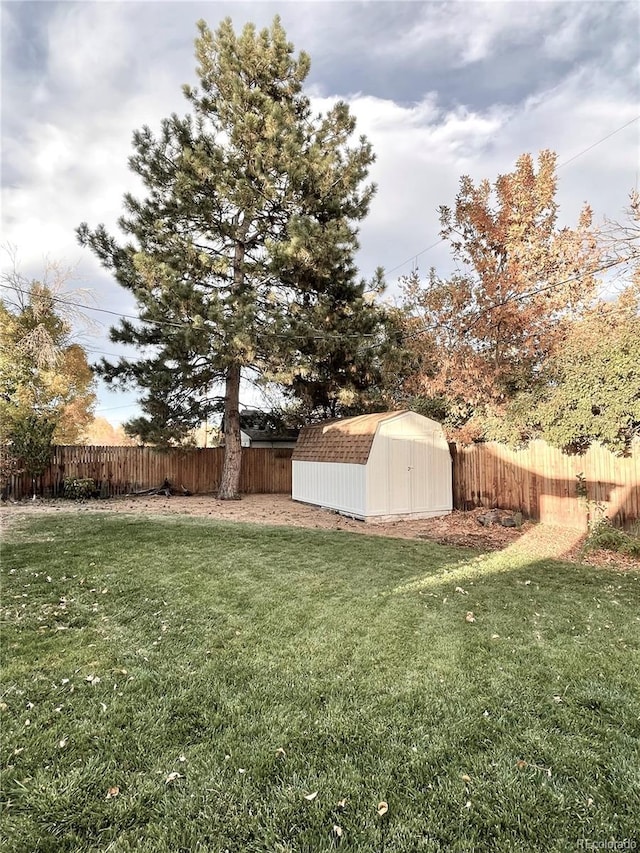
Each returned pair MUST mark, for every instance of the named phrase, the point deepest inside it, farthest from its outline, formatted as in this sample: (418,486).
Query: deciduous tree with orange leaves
(484,332)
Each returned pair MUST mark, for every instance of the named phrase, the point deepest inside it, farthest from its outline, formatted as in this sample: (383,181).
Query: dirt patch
(459,528)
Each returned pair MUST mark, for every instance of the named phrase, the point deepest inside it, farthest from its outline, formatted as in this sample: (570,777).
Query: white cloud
(114,67)
(468,32)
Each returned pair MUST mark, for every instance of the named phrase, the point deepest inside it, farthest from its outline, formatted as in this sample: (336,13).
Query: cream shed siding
(335,485)
(409,469)
(404,467)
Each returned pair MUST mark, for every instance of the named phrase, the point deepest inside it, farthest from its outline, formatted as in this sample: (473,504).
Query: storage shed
(375,467)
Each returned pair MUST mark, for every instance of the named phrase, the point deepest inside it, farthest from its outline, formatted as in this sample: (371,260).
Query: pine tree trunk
(230,482)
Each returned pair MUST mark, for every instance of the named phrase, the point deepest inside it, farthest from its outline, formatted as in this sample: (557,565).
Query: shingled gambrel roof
(345,440)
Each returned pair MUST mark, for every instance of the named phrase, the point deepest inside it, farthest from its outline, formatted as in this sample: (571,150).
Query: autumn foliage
(483,333)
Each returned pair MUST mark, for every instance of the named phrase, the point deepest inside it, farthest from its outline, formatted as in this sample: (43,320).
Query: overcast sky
(440,89)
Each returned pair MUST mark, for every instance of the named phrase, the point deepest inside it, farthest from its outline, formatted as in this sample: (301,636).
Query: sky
(441,89)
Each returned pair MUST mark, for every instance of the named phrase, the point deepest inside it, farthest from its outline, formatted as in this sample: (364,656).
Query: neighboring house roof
(288,435)
(263,426)
(346,440)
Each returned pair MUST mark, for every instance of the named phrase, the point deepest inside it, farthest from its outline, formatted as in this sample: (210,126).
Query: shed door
(400,471)
(419,476)
(409,482)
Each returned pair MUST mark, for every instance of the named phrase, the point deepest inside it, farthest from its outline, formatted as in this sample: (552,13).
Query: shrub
(609,538)
(631,547)
(78,488)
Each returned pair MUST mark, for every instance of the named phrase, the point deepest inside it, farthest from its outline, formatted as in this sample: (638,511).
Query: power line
(183,325)
(547,288)
(560,166)
(72,304)
(604,139)
(416,256)
(103,352)
(133,405)
(517,298)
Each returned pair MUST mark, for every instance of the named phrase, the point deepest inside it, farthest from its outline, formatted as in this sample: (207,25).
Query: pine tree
(244,242)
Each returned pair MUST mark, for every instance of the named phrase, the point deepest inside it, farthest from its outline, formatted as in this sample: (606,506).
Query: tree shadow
(544,484)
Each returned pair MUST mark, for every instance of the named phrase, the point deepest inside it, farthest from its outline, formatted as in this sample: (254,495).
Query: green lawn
(265,664)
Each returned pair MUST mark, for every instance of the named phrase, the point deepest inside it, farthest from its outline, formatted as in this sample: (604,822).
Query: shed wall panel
(409,474)
(409,425)
(440,474)
(407,470)
(337,485)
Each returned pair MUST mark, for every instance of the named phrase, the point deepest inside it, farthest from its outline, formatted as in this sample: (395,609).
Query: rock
(489,518)
(500,516)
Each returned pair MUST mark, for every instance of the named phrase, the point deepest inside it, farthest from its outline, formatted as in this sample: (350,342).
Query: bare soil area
(459,528)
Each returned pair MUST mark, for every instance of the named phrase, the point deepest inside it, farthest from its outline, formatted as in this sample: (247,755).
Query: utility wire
(415,257)
(133,405)
(71,304)
(560,166)
(600,141)
(517,298)
(490,308)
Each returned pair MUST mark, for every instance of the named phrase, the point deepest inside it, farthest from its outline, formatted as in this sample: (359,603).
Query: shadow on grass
(265,664)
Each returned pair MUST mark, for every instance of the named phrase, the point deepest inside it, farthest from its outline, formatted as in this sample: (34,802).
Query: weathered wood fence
(122,470)
(540,481)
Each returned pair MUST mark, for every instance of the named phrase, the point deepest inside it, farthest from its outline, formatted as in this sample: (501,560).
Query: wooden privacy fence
(122,470)
(541,482)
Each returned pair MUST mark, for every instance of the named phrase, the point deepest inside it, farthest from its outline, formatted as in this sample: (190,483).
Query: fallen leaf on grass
(112,793)
(280,751)
(337,830)
(467,805)
(62,743)
(520,764)
(173,776)
(93,680)
(461,591)
(342,803)
(466,777)
(470,617)
(311,796)
(383,808)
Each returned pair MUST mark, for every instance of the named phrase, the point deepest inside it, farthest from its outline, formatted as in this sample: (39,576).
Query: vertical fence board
(123,470)
(541,481)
